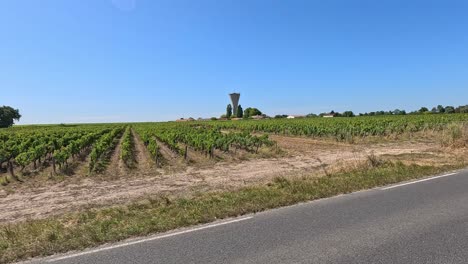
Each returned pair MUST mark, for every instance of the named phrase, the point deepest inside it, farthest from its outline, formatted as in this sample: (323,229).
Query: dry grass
(455,136)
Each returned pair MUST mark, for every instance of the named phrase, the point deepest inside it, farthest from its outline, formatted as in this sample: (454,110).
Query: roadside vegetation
(33,238)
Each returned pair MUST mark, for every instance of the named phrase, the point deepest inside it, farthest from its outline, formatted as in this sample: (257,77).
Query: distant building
(258,117)
(294,116)
(329,115)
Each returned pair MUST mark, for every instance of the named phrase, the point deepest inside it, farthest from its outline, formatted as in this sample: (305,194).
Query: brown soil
(144,161)
(302,156)
(196,156)
(117,167)
(170,157)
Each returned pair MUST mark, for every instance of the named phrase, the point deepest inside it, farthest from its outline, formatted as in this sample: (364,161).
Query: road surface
(416,222)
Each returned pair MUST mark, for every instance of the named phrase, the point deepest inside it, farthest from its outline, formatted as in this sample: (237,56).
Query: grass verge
(93,227)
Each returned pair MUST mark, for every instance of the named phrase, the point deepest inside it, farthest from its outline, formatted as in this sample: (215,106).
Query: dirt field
(120,185)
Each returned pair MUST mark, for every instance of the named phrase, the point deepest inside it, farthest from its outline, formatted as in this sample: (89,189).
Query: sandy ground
(301,156)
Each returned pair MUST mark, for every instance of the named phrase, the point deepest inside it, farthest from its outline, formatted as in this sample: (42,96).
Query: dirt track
(304,156)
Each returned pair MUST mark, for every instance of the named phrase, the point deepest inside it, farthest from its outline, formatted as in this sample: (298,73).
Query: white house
(295,116)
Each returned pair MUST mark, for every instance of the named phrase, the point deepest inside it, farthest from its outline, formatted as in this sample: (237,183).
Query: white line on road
(423,180)
(150,239)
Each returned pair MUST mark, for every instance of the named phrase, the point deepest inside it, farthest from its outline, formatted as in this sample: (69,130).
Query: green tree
(249,112)
(440,109)
(449,109)
(8,115)
(240,112)
(423,110)
(462,109)
(229,111)
(280,116)
(348,114)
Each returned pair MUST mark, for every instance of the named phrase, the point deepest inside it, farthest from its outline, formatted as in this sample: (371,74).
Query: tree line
(241,113)
(440,109)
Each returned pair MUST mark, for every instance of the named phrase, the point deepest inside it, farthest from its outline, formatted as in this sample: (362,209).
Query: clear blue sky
(136,60)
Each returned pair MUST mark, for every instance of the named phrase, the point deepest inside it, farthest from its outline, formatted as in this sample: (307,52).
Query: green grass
(93,227)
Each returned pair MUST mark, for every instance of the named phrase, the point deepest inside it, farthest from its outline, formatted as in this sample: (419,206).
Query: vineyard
(343,128)
(55,146)
(26,149)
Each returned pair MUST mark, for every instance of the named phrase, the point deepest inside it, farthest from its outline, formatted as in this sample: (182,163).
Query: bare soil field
(119,185)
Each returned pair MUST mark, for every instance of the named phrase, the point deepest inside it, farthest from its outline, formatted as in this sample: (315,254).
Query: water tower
(235,102)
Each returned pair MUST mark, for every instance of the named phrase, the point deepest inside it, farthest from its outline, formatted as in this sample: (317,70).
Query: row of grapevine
(126,148)
(36,145)
(204,140)
(62,155)
(102,147)
(149,141)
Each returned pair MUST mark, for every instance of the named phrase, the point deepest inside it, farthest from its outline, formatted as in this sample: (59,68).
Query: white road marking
(423,180)
(150,239)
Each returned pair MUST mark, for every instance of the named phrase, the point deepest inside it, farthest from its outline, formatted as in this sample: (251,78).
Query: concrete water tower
(235,102)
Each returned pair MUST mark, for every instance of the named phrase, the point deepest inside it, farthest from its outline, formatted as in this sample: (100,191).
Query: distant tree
(449,109)
(214,119)
(348,114)
(434,110)
(311,115)
(423,110)
(240,112)
(8,115)
(280,116)
(440,109)
(462,109)
(229,111)
(249,112)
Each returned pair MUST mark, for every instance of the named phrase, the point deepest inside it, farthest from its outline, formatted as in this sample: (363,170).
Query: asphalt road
(421,222)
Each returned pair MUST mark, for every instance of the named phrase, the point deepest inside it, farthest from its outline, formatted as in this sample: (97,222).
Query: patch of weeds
(4,181)
(374,161)
(455,135)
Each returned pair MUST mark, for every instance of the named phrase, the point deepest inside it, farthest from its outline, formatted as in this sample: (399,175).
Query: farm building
(258,117)
(330,115)
(295,116)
